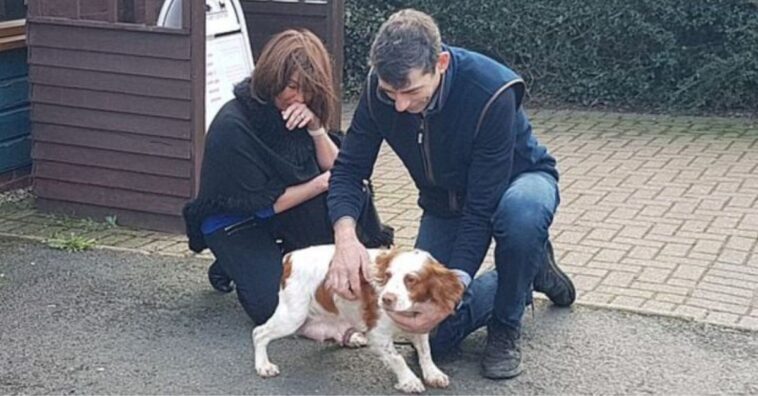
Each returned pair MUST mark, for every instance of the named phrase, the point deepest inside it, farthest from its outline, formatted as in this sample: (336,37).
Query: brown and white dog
(398,280)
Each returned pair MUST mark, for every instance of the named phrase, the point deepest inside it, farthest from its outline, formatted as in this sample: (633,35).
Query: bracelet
(317,132)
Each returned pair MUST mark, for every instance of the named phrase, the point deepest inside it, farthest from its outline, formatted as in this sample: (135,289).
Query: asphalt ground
(110,322)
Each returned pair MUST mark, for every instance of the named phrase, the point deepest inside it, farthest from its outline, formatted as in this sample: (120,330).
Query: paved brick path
(659,214)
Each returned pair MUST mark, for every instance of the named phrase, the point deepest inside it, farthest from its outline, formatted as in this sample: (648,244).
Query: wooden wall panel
(108,197)
(99,10)
(110,178)
(13,92)
(111,159)
(14,123)
(14,153)
(115,141)
(108,62)
(111,101)
(106,120)
(15,127)
(59,8)
(106,81)
(116,41)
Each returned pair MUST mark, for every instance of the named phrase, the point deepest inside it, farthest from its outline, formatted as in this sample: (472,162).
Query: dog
(397,281)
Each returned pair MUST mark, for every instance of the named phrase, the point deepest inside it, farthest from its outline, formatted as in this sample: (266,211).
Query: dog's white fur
(299,311)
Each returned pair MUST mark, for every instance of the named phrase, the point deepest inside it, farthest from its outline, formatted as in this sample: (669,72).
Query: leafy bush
(681,55)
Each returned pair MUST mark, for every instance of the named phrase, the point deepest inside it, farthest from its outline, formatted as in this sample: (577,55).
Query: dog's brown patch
(437,284)
(369,296)
(369,304)
(325,298)
(286,269)
(382,274)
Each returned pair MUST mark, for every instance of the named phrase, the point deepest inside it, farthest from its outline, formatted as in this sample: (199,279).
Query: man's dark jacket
(462,154)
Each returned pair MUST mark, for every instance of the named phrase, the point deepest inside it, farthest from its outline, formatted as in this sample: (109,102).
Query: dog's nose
(388,299)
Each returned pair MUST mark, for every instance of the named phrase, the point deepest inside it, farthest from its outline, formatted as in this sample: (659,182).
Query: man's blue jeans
(520,229)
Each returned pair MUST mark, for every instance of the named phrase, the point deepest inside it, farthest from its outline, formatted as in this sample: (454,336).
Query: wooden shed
(15,140)
(118,103)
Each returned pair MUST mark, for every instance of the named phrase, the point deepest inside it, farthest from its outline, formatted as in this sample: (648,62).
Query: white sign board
(228,57)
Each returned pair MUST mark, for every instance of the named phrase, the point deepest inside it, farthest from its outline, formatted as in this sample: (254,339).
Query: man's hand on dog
(421,318)
(350,259)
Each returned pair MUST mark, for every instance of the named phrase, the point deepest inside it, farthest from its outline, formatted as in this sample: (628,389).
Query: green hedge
(665,55)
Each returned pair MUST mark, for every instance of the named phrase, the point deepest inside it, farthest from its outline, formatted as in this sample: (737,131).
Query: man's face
(415,96)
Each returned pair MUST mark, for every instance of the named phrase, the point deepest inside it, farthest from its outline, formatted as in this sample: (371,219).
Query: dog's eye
(387,276)
(410,280)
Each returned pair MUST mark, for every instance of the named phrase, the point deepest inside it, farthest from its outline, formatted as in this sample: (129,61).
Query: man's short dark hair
(408,40)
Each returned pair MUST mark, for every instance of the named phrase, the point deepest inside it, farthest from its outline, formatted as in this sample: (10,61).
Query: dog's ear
(383,261)
(438,285)
(445,288)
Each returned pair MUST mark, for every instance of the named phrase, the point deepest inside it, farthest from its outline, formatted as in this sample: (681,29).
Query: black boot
(554,282)
(218,278)
(502,355)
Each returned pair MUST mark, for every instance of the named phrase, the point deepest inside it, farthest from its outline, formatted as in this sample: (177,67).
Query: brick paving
(659,214)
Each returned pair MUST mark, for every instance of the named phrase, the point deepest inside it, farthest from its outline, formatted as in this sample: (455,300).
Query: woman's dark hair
(301,53)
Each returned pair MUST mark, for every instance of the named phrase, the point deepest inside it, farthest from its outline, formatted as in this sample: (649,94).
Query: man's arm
(355,163)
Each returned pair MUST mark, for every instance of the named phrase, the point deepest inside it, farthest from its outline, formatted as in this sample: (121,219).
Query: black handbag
(371,232)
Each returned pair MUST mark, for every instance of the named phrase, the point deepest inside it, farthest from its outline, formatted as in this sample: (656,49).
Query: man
(454,118)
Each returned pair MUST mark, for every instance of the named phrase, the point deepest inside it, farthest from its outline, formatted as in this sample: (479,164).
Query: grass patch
(111,221)
(82,224)
(71,243)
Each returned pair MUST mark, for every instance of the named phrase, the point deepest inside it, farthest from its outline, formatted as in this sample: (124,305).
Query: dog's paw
(437,379)
(356,340)
(267,370)
(413,385)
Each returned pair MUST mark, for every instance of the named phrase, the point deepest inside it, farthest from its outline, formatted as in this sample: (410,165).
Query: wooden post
(126,11)
(195,11)
(151,9)
(112,11)
(335,26)
(33,8)
(187,14)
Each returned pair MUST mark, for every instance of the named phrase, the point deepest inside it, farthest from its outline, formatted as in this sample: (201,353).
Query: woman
(265,173)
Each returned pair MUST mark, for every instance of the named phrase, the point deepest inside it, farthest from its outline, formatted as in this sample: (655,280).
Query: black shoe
(502,355)
(218,278)
(554,282)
